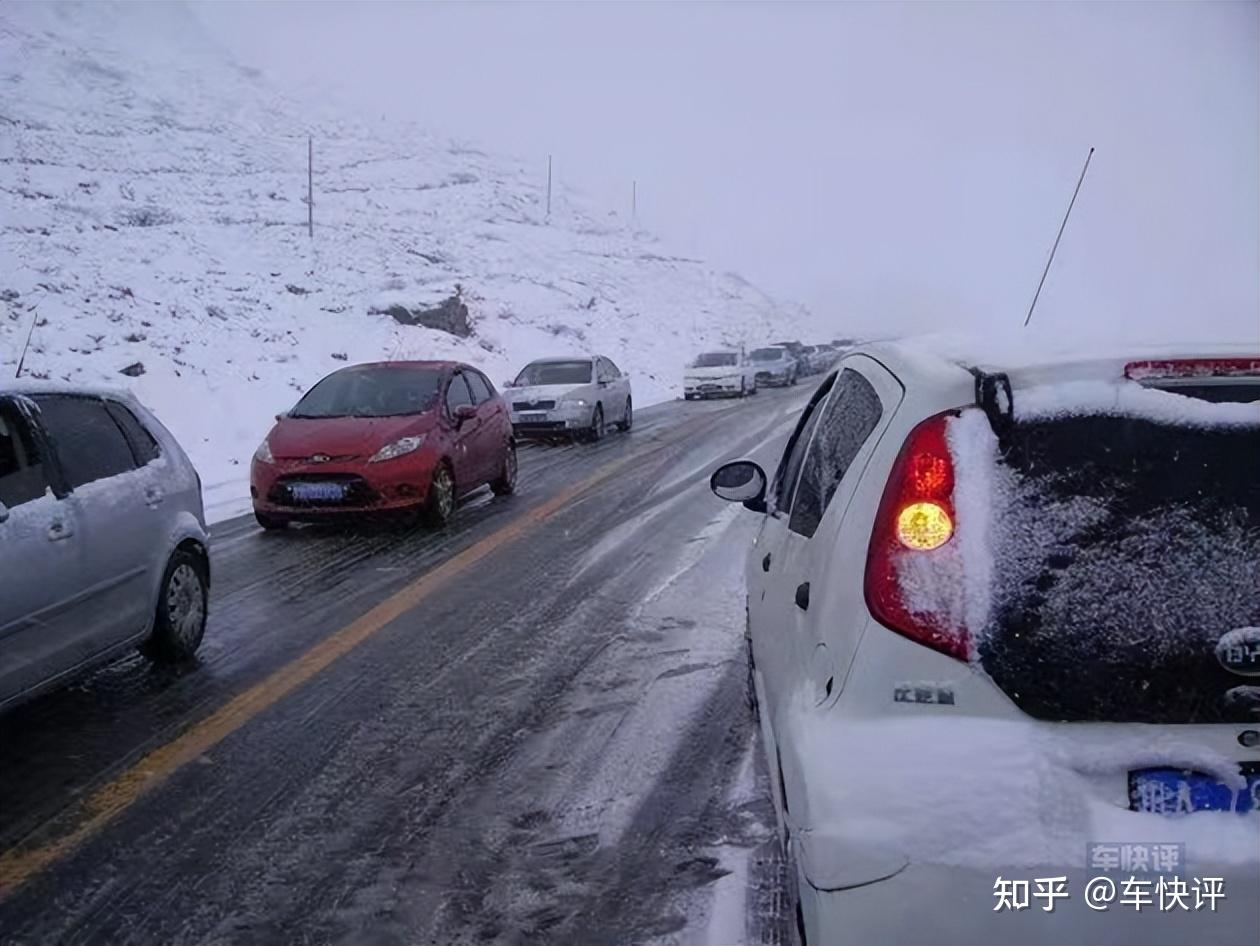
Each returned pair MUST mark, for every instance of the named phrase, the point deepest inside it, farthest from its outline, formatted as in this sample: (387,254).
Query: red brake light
(1193,368)
(916,517)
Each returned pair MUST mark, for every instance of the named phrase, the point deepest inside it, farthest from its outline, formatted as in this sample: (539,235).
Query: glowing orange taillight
(924,526)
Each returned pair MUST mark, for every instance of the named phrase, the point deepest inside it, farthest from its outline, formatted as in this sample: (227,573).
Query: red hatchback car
(397,436)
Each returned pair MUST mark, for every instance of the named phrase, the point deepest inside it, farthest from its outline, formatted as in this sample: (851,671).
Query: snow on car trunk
(1106,542)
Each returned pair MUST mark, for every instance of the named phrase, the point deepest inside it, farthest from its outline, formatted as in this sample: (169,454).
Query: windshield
(542,373)
(767,354)
(371,391)
(715,359)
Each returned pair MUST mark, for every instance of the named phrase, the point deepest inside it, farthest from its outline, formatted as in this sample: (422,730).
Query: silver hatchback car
(103,543)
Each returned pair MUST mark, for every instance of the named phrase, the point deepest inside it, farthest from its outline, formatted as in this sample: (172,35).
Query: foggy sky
(896,167)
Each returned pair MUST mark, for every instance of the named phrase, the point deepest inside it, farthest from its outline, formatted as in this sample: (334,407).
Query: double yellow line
(98,810)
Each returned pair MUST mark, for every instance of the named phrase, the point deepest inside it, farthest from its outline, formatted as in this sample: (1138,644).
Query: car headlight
(263,453)
(399,448)
(575,401)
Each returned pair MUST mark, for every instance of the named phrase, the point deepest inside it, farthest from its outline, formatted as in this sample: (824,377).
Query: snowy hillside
(153,218)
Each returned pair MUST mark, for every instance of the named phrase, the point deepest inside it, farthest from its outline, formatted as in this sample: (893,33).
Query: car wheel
(793,380)
(440,504)
(627,420)
(270,523)
(743,387)
(180,621)
(505,485)
(688,397)
(595,432)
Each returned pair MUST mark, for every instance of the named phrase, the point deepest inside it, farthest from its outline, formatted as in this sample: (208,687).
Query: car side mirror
(4,512)
(509,384)
(464,412)
(281,416)
(742,481)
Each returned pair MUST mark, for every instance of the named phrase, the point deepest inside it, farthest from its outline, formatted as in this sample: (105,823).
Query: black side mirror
(742,481)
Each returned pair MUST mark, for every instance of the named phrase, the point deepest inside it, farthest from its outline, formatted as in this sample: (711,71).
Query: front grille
(533,405)
(539,425)
(357,491)
(764,375)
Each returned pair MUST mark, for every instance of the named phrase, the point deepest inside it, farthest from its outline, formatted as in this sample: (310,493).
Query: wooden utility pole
(310,187)
(548,187)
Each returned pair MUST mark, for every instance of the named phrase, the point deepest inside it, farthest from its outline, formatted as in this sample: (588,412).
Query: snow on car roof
(35,386)
(1040,355)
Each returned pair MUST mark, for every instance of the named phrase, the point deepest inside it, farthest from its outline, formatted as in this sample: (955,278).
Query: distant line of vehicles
(732,373)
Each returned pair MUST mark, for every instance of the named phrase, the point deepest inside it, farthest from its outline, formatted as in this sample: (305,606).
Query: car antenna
(1046,271)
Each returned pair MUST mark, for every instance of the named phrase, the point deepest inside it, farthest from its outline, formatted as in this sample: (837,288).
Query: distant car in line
(719,372)
(102,537)
(570,397)
(1030,582)
(774,366)
(399,437)
(810,360)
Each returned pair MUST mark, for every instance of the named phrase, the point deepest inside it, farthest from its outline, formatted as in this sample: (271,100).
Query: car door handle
(802,596)
(153,495)
(58,529)
(765,563)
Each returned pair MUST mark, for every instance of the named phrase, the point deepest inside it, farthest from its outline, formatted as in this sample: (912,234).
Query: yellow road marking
(18,865)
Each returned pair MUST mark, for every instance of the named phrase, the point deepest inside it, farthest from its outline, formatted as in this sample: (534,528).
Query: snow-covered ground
(152,212)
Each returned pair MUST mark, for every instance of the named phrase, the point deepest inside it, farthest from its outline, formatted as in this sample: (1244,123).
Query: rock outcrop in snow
(152,211)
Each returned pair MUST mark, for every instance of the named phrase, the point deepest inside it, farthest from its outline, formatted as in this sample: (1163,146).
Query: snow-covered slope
(152,211)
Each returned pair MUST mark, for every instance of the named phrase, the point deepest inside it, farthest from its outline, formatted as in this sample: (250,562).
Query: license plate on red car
(318,492)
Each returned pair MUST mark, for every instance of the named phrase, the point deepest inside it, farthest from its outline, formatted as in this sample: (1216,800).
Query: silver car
(102,537)
(774,366)
(570,397)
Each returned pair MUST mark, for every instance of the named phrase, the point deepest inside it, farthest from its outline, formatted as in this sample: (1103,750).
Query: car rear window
(371,391)
(1124,548)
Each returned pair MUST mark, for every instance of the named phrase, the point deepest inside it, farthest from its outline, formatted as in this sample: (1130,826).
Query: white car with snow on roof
(1004,626)
(715,373)
(576,396)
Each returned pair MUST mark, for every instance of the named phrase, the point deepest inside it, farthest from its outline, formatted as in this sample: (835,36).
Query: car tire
(688,397)
(792,381)
(270,523)
(439,505)
(505,485)
(627,420)
(743,387)
(595,432)
(180,619)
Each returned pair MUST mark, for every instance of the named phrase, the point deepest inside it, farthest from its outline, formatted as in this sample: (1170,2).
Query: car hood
(300,437)
(541,392)
(721,371)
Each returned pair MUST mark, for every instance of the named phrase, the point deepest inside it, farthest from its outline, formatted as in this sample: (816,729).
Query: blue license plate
(1167,791)
(318,492)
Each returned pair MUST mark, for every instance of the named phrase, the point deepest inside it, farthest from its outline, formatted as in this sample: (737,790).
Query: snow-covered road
(531,727)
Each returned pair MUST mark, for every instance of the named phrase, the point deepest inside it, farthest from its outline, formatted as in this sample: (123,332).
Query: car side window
(794,452)
(457,393)
(22,476)
(89,443)
(601,373)
(143,447)
(845,423)
(481,390)
(613,371)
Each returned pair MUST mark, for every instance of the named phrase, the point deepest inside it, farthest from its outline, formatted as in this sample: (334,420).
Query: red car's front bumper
(390,486)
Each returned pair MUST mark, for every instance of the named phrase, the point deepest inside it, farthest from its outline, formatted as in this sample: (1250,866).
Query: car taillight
(1193,368)
(916,517)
